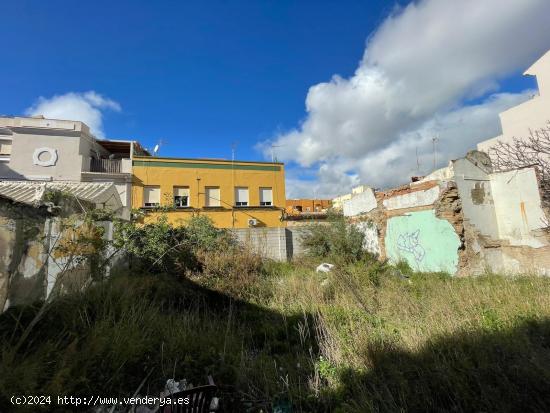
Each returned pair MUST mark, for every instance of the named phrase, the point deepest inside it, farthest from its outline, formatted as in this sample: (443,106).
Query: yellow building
(234,194)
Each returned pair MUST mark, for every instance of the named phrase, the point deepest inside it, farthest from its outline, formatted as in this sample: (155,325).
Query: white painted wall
(518,207)
(468,178)
(413,199)
(67,166)
(360,203)
(370,243)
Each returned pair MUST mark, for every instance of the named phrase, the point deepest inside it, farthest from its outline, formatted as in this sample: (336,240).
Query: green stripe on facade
(190,165)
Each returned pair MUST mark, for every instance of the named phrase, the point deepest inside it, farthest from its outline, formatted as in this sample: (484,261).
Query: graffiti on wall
(425,242)
(409,242)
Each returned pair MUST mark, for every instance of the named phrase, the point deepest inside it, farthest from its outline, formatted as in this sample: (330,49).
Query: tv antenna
(234,149)
(157,147)
(273,157)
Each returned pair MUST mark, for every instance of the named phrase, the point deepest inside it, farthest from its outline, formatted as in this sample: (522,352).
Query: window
(266,197)
(212,196)
(241,196)
(181,196)
(5,147)
(151,196)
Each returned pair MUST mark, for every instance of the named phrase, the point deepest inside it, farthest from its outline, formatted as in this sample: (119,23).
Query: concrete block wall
(280,244)
(268,242)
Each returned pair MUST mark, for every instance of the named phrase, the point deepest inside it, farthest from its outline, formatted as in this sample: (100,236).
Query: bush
(233,270)
(160,247)
(338,240)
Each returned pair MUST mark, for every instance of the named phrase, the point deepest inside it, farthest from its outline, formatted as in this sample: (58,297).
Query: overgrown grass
(358,339)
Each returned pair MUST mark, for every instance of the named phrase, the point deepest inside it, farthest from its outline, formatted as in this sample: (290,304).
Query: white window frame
(245,201)
(209,200)
(147,197)
(179,200)
(263,202)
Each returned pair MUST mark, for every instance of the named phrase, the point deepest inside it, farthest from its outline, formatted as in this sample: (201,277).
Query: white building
(39,149)
(517,122)
(338,202)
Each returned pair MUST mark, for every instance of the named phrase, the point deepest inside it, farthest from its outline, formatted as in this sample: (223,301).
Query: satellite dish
(156,149)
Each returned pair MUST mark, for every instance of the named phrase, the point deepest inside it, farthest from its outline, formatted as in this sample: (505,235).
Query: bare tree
(533,150)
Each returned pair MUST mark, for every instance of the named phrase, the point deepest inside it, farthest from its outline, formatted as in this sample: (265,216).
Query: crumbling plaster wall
(518,207)
(474,189)
(503,219)
(424,241)
(413,199)
(22,254)
(409,223)
(370,242)
(360,203)
(30,259)
(470,221)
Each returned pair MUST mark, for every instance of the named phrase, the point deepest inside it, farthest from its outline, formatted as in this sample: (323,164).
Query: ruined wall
(370,230)
(503,219)
(518,207)
(22,254)
(426,242)
(525,244)
(474,188)
(360,203)
(413,199)
(38,254)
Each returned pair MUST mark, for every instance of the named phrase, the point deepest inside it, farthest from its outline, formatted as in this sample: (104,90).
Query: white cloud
(87,107)
(418,69)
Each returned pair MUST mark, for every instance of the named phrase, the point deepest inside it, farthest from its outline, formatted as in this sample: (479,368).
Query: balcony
(112,166)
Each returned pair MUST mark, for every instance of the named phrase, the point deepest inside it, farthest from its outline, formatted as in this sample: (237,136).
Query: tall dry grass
(361,338)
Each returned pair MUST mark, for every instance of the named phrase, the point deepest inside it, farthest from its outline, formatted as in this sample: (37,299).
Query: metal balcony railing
(106,165)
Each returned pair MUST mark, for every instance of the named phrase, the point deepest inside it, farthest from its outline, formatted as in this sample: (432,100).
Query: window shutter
(241,196)
(266,196)
(212,196)
(181,196)
(181,191)
(151,196)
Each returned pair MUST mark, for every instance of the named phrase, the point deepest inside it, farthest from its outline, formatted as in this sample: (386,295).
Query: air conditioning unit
(252,222)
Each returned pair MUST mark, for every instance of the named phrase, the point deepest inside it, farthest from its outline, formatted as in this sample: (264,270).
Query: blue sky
(198,75)
(202,75)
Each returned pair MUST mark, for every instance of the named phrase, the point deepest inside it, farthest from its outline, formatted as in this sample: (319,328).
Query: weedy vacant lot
(364,337)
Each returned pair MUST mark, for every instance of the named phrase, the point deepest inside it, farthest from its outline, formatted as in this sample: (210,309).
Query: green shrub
(159,247)
(233,270)
(338,240)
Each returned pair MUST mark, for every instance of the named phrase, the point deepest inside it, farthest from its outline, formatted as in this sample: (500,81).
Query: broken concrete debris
(324,267)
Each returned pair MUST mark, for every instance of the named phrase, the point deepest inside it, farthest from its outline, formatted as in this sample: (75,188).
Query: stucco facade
(234,194)
(39,149)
